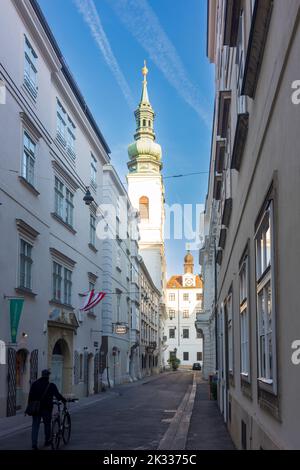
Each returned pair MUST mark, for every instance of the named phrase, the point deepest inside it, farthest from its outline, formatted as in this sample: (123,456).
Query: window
(185,356)
(61,123)
(244,317)
(29,148)
(144,207)
(25,265)
(65,129)
(228,307)
(57,279)
(199,356)
(67,286)
(62,277)
(59,198)
(186,314)
(265,297)
(69,208)
(172,333)
(30,69)
(172,297)
(198,297)
(199,334)
(92,230)
(185,333)
(64,206)
(185,297)
(171,314)
(93,171)
(71,138)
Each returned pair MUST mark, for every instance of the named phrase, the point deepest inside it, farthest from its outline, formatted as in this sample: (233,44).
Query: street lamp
(88,198)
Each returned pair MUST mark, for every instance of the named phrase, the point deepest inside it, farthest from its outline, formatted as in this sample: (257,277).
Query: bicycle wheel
(66,428)
(55,434)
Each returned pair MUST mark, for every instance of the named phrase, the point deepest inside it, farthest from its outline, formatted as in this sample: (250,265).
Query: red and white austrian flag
(92,298)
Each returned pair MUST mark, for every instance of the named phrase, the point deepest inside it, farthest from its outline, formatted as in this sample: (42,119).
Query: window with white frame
(69,207)
(29,152)
(229,332)
(264,240)
(25,278)
(92,229)
(64,205)
(61,284)
(185,356)
(61,123)
(172,333)
(56,282)
(186,314)
(93,171)
(171,314)
(185,297)
(30,68)
(67,286)
(65,129)
(244,317)
(71,138)
(59,198)
(172,297)
(185,333)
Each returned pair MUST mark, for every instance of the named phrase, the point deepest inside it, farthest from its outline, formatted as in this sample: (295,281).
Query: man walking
(44,391)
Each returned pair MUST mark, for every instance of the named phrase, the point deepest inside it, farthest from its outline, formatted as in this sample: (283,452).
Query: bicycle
(61,424)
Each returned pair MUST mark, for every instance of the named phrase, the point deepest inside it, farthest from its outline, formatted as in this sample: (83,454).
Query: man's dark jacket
(37,392)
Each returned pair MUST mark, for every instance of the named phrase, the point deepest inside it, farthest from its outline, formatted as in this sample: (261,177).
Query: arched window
(144,123)
(144,207)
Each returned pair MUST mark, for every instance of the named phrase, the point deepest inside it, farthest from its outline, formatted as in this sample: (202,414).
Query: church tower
(145,187)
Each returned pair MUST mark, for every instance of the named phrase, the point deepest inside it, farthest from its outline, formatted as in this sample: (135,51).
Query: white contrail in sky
(143,24)
(91,17)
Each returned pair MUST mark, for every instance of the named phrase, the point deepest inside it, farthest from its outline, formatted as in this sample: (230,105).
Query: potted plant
(174,362)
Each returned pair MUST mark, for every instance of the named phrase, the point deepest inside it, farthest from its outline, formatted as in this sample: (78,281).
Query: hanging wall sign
(120,329)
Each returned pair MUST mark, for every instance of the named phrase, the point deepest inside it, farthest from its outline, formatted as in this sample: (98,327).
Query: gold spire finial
(145,70)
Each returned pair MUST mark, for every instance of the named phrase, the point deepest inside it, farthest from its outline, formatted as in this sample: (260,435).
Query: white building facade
(51,151)
(251,205)
(184,302)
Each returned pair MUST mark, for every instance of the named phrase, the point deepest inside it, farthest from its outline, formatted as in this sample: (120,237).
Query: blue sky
(171,36)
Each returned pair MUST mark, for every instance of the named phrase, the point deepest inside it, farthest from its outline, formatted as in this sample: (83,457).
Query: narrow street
(152,414)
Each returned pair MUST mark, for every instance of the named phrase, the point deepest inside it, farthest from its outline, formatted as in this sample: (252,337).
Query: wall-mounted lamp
(88,198)
(24,335)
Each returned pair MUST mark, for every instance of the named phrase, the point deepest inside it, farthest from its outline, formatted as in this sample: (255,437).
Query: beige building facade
(253,218)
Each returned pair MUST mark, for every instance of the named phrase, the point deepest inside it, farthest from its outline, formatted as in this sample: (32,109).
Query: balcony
(257,40)
(231,26)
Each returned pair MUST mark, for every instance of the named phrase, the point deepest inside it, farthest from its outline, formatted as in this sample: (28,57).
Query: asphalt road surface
(135,416)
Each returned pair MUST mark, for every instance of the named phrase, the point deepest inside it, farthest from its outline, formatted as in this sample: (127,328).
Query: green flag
(16,306)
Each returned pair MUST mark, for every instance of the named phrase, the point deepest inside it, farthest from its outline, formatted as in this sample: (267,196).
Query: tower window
(144,207)
(144,123)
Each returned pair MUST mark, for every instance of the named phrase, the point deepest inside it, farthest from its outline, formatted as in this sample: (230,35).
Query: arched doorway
(59,364)
(22,378)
